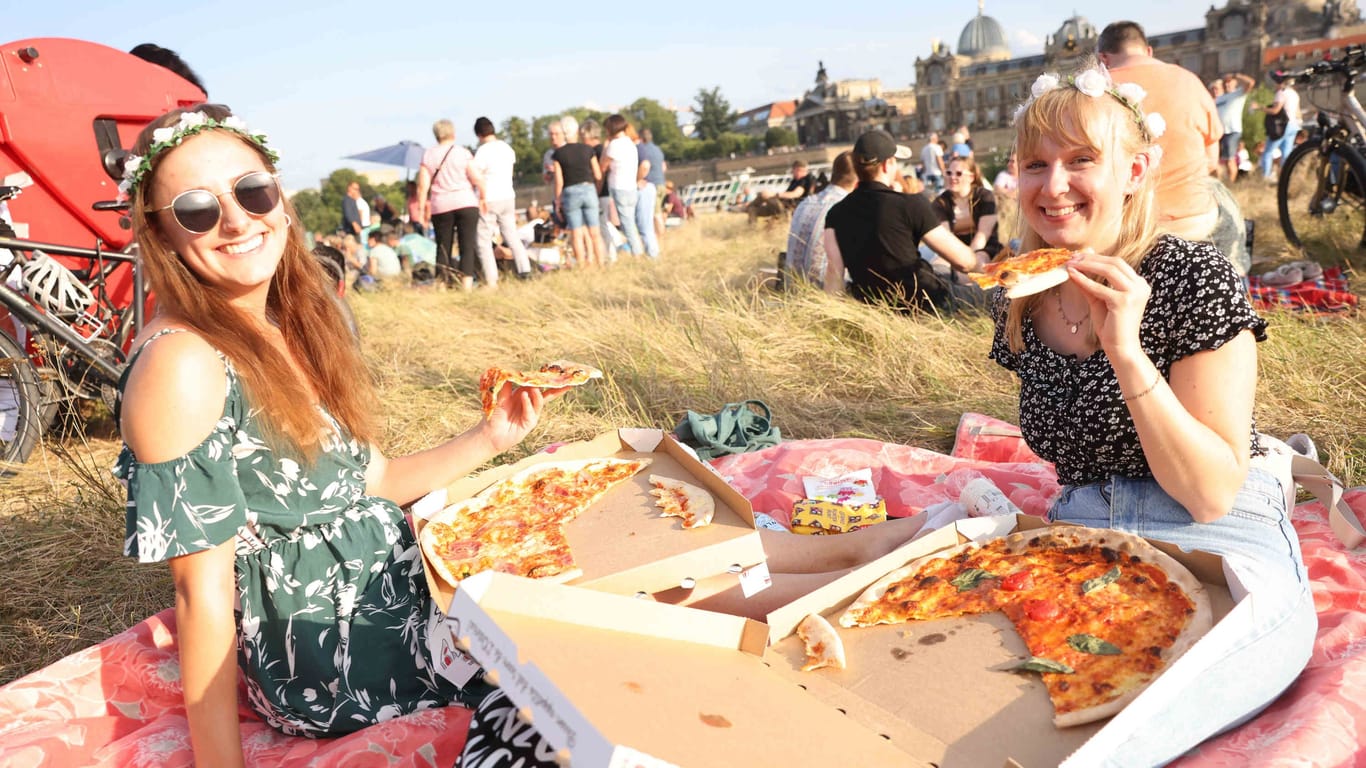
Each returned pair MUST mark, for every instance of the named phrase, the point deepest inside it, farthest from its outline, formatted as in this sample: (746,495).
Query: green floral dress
(332,609)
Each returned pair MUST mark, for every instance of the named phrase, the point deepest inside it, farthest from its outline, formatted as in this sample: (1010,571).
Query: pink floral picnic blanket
(119,703)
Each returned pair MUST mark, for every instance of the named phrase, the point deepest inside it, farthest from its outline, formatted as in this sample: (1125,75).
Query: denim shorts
(1256,538)
(580,203)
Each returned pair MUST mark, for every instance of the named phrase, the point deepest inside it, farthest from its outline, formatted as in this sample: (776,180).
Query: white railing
(716,195)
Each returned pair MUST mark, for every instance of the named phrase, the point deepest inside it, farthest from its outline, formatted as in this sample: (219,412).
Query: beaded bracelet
(1150,388)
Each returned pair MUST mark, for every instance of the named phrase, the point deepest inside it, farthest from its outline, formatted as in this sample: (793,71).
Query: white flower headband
(136,166)
(1096,83)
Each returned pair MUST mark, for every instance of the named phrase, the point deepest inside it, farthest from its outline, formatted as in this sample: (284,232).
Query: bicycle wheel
(21,422)
(1321,198)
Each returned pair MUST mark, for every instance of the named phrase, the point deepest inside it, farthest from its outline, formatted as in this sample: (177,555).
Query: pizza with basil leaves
(1102,612)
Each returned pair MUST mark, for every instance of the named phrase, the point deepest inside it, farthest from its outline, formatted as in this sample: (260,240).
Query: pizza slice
(823,645)
(676,498)
(561,490)
(561,373)
(1028,273)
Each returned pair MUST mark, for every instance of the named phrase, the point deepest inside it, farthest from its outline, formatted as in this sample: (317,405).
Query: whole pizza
(1102,612)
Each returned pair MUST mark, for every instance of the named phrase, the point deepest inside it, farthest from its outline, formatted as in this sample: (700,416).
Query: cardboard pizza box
(621,544)
(614,681)
(937,689)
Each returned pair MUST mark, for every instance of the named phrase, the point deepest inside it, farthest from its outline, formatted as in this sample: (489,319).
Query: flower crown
(136,166)
(1096,83)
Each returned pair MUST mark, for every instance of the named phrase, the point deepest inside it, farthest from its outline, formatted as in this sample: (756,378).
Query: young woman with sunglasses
(251,463)
(1137,380)
(969,208)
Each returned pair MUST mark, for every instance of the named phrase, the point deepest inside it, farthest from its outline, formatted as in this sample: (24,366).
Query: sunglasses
(198,210)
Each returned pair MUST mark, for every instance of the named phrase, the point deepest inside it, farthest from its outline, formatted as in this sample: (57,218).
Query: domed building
(981,85)
(983,39)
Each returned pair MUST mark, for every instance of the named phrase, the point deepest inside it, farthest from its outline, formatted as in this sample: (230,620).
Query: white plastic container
(981,498)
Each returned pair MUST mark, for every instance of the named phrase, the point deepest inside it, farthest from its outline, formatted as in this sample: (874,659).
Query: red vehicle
(68,110)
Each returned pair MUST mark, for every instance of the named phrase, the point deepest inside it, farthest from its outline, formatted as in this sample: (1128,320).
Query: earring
(289,220)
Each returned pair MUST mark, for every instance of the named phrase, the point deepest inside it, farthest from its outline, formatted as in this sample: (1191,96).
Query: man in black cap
(876,232)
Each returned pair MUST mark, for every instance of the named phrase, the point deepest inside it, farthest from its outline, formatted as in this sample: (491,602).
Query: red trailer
(68,110)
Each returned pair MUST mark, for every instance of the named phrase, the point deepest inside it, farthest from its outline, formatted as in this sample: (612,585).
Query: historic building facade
(981,84)
(840,111)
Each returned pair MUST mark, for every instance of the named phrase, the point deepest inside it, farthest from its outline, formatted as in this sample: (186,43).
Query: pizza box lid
(621,544)
(612,680)
(937,689)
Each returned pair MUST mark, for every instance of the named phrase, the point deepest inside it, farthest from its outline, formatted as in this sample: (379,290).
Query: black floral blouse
(1072,412)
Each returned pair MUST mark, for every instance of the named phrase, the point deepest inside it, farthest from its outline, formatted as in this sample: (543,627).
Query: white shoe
(1303,445)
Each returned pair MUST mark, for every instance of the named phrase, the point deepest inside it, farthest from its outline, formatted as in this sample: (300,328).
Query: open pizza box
(937,690)
(621,544)
(612,681)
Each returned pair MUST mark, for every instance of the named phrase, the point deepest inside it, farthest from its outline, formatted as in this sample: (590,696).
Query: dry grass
(693,331)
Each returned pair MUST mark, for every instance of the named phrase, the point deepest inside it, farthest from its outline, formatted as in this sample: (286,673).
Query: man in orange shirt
(1191,203)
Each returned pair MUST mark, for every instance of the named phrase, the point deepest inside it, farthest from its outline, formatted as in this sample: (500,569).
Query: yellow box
(820,517)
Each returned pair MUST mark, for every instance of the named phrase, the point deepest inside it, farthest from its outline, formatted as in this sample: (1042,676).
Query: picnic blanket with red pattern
(1326,295)
(119,703)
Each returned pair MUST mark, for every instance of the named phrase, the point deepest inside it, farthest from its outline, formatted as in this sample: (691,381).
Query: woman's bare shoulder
(174,394)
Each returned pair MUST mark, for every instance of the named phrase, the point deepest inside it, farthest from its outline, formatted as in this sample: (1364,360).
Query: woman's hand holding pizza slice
(1116,296)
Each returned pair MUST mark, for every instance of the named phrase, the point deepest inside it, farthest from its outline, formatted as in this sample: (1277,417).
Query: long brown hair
(1107,127)
(299,302)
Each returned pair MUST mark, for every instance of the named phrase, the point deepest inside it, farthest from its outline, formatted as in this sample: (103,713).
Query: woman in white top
(620,162)
(1287,101)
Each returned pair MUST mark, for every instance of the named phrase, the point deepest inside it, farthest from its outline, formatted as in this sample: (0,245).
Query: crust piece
(823,645)
(676,498)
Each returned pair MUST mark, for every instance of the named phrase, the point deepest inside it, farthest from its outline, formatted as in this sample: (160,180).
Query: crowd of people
(251,436)
(462,227)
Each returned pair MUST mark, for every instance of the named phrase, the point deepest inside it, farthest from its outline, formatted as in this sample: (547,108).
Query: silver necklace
(1072,325)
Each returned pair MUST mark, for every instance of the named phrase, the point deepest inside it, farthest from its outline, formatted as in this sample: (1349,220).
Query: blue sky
(327,79)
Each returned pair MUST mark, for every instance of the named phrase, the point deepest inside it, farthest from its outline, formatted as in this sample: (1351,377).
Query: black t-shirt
(983,204)
(878,230)
(804,182)
(576,163)
(1072,412)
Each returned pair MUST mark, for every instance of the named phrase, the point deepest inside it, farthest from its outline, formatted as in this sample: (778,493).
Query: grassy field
(693,331)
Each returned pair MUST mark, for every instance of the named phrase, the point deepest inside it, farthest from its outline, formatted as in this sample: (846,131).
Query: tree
(320,211)
(517,133)
(314,215)
(714,116)
(780,137)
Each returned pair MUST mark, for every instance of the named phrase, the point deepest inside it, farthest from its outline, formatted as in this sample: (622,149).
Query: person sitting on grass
(1137,380)
(252,464)
(876,232)
(383,260)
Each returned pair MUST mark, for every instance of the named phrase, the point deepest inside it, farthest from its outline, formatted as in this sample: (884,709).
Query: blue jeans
(580,202)
(625,201)
(1260,547)
(1286,143)
(646,203)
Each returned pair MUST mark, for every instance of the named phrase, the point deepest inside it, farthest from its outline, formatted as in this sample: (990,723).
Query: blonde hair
(443,130)
(300,302)
(1107,126)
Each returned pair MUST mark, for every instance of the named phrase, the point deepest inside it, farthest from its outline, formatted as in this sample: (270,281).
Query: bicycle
(1321,191)
(70,336)
(68,339)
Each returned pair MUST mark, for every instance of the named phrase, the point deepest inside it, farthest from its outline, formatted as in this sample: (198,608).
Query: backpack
(1275,124)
